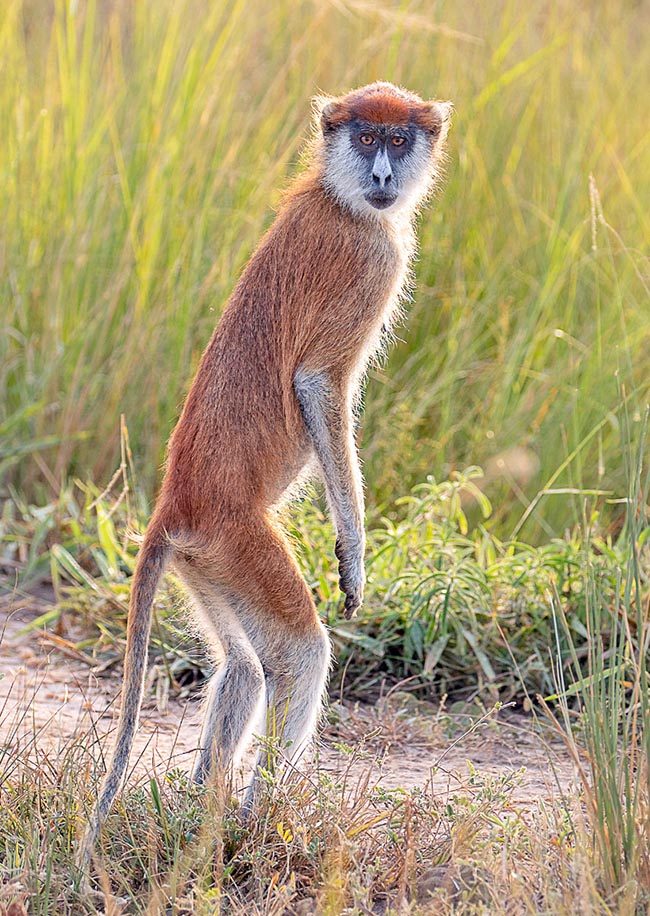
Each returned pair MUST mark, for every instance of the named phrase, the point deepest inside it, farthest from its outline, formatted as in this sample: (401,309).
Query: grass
(614,707)
(322,844)
(459,610)
(449,606)
(142,162)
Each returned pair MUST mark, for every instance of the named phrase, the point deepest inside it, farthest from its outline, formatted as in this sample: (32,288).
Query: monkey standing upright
(272,399)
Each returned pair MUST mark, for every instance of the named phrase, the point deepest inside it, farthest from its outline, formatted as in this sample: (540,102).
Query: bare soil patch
(49,697)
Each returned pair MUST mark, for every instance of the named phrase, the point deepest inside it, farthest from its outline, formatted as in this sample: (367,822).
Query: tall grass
(605,681)
(144,148)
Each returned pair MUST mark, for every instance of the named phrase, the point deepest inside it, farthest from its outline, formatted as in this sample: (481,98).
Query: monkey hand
(352,577)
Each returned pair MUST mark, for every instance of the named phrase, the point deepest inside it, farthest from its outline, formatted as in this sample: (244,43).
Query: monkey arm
(327,414)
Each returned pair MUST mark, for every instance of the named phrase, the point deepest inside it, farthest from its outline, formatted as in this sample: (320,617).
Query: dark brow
(383,131)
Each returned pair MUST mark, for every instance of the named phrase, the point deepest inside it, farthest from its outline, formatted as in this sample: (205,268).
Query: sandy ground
(49,696)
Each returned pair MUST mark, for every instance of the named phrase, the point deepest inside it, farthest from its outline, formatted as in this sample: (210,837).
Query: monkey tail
(152,560)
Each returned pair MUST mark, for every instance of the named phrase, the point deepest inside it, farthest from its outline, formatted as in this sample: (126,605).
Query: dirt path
(48,698)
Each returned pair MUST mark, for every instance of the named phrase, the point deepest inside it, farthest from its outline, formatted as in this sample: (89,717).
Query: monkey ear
(435,116)
(445,111)
(328,112)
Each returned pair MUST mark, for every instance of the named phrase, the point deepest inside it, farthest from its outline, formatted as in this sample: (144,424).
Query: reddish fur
(382,103)
(312,295)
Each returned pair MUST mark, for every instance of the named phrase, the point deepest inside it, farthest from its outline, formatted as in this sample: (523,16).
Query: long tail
(152,560)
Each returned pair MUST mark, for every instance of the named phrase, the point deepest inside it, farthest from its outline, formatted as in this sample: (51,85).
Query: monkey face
(380,147)
(373,167)
(386,158)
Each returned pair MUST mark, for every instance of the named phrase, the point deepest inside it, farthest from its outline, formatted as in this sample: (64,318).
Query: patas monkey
(272,399)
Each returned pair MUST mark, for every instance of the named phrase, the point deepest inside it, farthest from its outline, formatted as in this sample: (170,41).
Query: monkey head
(381,147)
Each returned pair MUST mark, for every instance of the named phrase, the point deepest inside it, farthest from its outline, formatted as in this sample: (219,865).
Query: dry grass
(320,845)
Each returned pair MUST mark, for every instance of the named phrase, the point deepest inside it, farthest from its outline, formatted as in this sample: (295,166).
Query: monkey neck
(398,224)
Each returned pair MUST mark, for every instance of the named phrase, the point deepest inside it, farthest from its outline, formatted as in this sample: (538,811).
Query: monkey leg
(236,693)
(276,610)
(296,678)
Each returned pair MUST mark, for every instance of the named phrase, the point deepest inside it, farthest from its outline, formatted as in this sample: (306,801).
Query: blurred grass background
(145,146)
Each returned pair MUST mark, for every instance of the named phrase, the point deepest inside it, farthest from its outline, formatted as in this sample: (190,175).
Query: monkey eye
(367,139)
(398,141)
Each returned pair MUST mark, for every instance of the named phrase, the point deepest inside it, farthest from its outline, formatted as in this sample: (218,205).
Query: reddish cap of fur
(383,103)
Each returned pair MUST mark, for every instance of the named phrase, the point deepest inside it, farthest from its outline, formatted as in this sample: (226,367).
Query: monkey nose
(381,170)
(381,179)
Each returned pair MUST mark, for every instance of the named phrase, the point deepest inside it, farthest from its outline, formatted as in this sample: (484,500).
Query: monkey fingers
(350,606)
(351,579)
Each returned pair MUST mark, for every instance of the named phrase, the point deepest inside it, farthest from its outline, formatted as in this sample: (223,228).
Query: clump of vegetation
(606,681)
(446,602)
(319,845)
(460,610)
